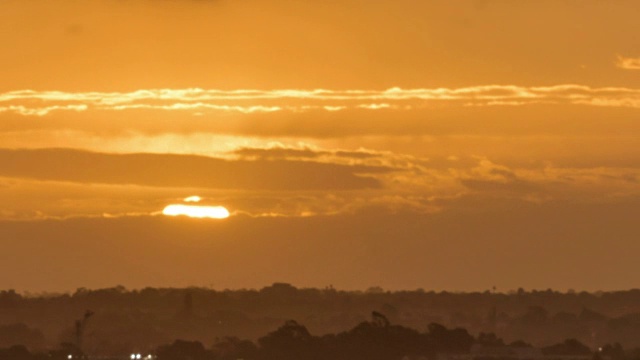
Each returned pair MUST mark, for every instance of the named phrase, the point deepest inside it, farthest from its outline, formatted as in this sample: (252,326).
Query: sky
(443,145)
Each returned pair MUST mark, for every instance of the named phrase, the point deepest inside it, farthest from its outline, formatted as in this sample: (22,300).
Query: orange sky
(403,144)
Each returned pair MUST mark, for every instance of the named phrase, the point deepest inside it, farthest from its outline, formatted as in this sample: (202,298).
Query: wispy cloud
(40,103)
(41,111)
(628,63)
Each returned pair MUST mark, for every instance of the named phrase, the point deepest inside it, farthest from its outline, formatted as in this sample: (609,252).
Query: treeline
(376,339)
(372,340)
(126,320)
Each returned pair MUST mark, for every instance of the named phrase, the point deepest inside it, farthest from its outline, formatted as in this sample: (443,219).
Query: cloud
(247,101)
(511,186)
(291,182)
(490,178)
(165,170)
(628,63)
(276,153)
(41,111)
(596,117)
(284,152)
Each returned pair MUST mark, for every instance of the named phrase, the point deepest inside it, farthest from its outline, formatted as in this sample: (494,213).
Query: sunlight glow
(195,211)
(194,198)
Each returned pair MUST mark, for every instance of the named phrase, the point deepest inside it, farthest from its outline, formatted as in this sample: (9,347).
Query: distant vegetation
(376,339)
(372,324)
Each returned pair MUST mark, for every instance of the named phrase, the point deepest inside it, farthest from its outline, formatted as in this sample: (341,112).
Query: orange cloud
(290,182)
(28,102)
(628,63)
(189,171)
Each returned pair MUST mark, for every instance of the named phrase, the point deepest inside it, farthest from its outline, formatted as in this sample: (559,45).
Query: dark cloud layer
(276,153)
(285,152)
(165,170)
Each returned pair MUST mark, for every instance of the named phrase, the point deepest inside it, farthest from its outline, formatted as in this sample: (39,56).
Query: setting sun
(195,211)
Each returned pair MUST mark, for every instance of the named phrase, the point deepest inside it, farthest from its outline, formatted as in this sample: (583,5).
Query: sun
(196,211)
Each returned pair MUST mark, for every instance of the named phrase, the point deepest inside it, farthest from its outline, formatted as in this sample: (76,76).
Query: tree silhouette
(17,352)
(489,340)
(443,340)
(291,341)
(570,347)
(232,348)
(183,350)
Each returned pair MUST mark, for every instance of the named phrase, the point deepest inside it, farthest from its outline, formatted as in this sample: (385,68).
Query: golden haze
(405,144)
